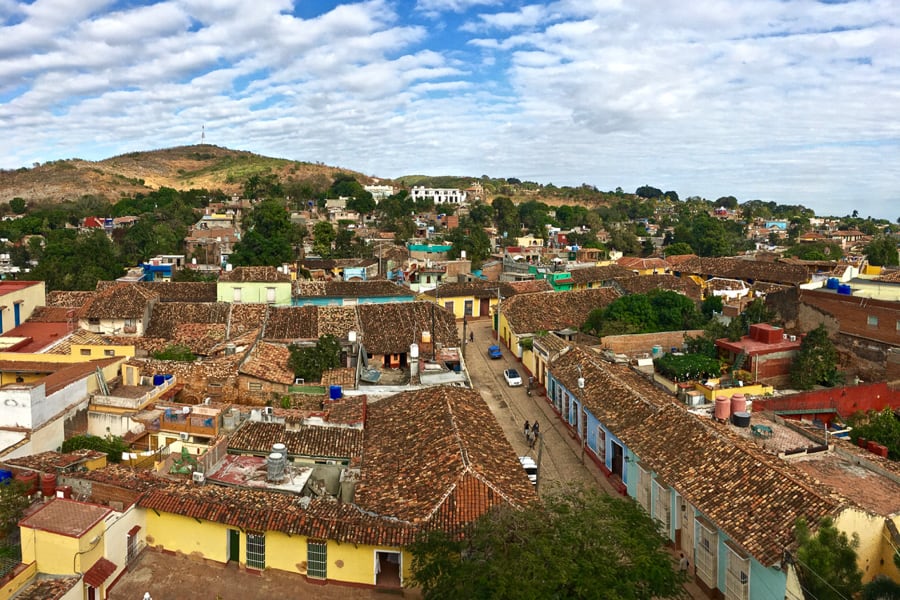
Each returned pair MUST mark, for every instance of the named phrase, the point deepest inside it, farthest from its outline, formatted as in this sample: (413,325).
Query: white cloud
(789,101)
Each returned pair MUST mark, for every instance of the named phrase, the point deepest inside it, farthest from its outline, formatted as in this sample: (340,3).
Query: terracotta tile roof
(251,274)
(749,270)
(292,323)
(390,328)
(530,286)
(891,277)
(599,275)
(182,291)
(121,301)
(167,316)
(348,410)
(48,588)
(305,441)
(643,284)
(136,480)
(246,317)
(678,259)
(201,338)
(53,462)
(635,262)
(53,314)
(82,336)
(255,510)
(69,299)
(378,288)
(99,572)
(269,363)
(65,517)
(338,321)
(751,495)
(552,311)
(438,456)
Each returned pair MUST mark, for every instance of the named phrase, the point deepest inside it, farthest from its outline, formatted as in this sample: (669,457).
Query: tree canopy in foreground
(574,544)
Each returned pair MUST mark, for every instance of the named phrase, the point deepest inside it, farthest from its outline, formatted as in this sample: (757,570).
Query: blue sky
(793,101)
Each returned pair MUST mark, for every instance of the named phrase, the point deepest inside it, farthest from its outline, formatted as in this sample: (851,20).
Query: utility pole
(537,478)
(464,338)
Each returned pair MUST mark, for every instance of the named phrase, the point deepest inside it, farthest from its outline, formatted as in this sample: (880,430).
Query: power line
(825,581)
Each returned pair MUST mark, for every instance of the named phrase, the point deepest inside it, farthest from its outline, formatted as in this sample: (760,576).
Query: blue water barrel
(159,379)
(832,283)
(335,392)
(844,289)
(5,476)
(168,376)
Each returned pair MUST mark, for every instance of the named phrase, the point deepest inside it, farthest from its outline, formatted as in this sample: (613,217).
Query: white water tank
(351,336)
(275,467)
(414,350)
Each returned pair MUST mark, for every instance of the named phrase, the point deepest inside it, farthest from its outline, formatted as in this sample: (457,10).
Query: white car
(512,377)
(530,467)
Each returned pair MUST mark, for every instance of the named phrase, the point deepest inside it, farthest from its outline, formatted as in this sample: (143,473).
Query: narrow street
(559,453)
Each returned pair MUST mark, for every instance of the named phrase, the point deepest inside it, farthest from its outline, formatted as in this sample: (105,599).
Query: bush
(687,367)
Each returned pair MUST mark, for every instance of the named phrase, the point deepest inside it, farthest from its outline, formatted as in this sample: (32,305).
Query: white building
(440,196)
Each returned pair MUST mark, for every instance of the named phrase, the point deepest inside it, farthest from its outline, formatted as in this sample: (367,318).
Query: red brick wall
(644,342)
(852,313)
(846,400)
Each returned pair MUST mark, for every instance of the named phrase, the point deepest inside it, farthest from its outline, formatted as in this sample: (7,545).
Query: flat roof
(251,471)
(10,286)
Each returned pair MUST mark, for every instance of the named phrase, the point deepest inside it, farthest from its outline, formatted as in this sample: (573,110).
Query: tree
(178,352)
(77,261)
(13,503)
(112,445)
(309,362)
(678,248)
(472,240)
(269,237)
(816,361)
(18,205)
(550,550)
(648,191)
(881,587)
(323,237)
(827,561)
(882,251)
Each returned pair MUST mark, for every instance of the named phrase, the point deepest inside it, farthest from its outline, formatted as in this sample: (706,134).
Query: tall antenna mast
(202,134)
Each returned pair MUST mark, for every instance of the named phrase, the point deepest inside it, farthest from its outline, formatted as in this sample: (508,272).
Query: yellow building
(18,300)
(65,537)
(470,299)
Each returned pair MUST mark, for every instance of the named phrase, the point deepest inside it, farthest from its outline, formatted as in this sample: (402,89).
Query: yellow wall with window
(345,562)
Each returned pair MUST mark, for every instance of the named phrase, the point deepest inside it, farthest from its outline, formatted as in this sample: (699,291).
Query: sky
(791,101)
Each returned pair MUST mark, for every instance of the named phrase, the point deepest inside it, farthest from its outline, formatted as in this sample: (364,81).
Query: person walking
(527,429)
(536,430)
(683,564)
(471,336)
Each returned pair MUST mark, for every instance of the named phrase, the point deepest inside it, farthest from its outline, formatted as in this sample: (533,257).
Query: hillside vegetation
(181,168)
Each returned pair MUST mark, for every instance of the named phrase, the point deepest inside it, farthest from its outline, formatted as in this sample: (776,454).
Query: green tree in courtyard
(827,561)
(879,426)
(572,545)
(816,361)
(309,362)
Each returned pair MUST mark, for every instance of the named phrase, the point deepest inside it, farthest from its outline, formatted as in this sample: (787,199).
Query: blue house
(348,293)
(729,506)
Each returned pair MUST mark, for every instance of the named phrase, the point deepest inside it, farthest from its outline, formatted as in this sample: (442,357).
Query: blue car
(494,352)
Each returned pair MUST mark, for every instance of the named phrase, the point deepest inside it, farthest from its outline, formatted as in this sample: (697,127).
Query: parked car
(530,467)
(494,351)
(512,377)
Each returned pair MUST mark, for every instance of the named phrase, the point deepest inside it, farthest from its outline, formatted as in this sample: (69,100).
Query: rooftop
(66,517)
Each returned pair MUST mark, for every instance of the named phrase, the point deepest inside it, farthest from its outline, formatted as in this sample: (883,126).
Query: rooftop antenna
(202,134)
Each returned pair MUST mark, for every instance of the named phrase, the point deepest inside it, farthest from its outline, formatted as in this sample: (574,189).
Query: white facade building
(440,195)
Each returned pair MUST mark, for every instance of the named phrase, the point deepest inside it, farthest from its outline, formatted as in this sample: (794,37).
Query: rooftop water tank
(5,476)
(30,480)
(844,289)
(335,392)
(723,408)
(48,484)
(738,403)
(275,466)
(741,419)
(832,283)
(414,350)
